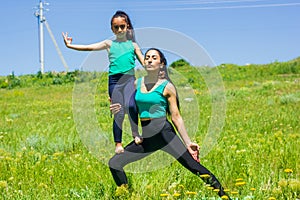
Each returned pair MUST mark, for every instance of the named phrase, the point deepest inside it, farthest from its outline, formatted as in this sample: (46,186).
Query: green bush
(179,63)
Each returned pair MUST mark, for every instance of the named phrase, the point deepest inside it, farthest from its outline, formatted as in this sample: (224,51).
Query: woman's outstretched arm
(170,93)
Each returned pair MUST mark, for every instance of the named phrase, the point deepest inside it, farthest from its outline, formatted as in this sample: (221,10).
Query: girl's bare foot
(119,149)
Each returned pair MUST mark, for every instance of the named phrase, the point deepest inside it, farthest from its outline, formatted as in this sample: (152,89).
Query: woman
(156,96)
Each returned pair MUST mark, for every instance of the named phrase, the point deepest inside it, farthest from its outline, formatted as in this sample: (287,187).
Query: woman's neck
(150,78)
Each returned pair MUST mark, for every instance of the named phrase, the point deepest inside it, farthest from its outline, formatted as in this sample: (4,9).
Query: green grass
(44,154)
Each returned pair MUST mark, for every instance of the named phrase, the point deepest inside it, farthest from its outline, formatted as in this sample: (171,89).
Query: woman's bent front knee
(113,163)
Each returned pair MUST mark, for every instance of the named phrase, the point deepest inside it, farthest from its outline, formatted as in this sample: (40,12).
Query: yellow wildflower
(89,167)
(181,186)
(234,192)
(193,193)
(204,176)
(224,197)
(50,172)
(216,190)
(57,154)
(31,152)
(197,92)
(226,190)
(8,158)
(272,198)
(176,194)
(238,179)
(44,157)
(252,189)
(122,190)
(43,185)
(3,184)
(240,183)
(277,191)
(164,195)
(19,154)
(282,183)
(288,170)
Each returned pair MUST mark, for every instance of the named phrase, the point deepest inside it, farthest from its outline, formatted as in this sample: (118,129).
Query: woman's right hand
(115,108)
(138,140)
(67,40)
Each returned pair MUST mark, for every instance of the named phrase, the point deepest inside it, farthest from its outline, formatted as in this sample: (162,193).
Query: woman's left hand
(193,148)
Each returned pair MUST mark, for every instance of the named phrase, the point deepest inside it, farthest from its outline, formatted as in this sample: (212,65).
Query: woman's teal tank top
(152,104)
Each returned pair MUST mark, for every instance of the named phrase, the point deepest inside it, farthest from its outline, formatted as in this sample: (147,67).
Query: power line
(56,46)
(224,7)
(197,2)
(240,6)
(164,5)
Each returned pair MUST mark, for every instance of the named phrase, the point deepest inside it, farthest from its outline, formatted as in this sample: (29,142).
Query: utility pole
(39,13)
(41,20)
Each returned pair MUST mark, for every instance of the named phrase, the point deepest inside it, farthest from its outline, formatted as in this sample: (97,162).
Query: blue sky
(231,31)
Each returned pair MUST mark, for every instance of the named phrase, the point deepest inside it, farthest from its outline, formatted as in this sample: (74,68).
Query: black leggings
(159,134)
(121,90)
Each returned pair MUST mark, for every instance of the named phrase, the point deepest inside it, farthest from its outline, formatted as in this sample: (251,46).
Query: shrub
(179,63)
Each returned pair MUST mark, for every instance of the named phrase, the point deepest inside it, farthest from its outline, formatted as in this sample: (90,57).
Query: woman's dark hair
(130,32)
(165,73)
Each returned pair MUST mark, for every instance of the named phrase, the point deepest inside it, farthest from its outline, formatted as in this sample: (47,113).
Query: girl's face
(119,27)
(152,60)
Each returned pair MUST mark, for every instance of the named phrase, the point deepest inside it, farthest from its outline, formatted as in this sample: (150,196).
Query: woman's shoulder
(165,81)
(169,88)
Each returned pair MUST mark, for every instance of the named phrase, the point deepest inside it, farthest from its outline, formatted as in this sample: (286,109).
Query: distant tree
(180,63)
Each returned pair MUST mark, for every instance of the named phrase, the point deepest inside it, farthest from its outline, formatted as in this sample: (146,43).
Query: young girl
(156,96)
(122,52)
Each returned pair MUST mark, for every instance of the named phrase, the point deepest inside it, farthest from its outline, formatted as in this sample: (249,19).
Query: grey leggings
(159,134)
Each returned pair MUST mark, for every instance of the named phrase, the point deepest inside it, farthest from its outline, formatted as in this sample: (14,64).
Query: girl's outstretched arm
(90,47)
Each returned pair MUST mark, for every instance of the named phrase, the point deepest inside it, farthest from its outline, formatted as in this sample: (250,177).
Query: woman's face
(152,60)
(119,27)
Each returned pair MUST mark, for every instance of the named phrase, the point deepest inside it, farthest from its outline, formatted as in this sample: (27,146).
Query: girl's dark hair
(130,32)
(165,73)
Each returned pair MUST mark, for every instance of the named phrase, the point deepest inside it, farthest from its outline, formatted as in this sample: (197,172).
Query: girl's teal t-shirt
(122,58)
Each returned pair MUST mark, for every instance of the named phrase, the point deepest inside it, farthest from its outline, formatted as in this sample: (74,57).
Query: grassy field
(56,136)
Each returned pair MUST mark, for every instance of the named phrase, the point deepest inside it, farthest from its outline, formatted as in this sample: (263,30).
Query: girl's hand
(67,40)
(193,148)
